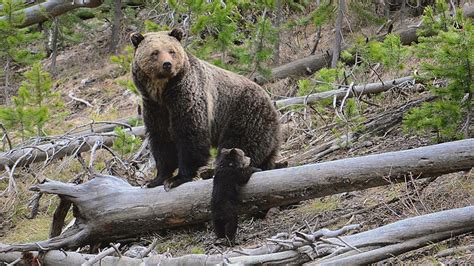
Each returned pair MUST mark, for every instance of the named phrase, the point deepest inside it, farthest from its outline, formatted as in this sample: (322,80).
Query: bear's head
(232,158)
(159,55)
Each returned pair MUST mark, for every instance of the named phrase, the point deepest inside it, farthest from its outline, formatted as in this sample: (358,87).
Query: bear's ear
(136,38)
(177,33)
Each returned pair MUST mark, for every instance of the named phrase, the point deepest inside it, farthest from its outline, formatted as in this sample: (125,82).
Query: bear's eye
(172,52)
(155,53)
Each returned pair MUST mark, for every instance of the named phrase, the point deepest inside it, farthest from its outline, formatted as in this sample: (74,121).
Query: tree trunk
(278,18)
(116,27)
(337,45)
(54,45)
(341,93)
(53,8)
(65,146)
(108,208)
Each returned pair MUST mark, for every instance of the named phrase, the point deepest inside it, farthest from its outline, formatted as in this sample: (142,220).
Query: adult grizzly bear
(189,105)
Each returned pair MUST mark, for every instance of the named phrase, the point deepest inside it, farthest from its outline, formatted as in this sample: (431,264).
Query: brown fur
(195,105)
(232,171)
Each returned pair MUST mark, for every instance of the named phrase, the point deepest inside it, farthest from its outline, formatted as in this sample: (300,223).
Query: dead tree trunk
(108,208)
(116,26)
(341,93)
(65,146)
(53,8)
(374,245)
(337,45)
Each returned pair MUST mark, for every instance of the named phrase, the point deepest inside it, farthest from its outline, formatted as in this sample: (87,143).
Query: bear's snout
(167,66)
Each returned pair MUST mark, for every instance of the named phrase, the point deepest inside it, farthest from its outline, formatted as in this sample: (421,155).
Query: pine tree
(31,109)
(450,56)
(13,44)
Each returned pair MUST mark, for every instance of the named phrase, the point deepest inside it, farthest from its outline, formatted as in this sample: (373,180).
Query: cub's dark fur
(232,171)
(190,105)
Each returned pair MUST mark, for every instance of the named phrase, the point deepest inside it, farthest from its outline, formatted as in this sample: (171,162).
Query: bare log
(385,241)
(313,63)
(402,236)
(341,93)
(58,149)
(52,8)
(108,208)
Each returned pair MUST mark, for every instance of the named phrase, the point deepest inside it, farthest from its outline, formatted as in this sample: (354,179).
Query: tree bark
(58,149)
(313,63)
(116,26)
(341,93)
(53,8)
(337,45)
(375,245)
(108,208)
(402,236)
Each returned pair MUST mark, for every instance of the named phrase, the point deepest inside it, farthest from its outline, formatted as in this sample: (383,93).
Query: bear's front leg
(192,155)
(163,149)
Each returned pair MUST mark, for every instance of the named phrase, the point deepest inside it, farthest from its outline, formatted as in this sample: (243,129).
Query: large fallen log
(52,8)
(108,209)
(313,63)
(374,245)
(345,92)
(65,146)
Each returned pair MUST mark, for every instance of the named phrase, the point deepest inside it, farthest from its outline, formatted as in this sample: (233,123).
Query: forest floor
(85,71)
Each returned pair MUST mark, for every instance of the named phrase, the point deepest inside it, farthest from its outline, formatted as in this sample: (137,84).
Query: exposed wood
(53,8)
(341,93)
(374,245)
(313,63)
(402,236)
(109,209)
(59,148)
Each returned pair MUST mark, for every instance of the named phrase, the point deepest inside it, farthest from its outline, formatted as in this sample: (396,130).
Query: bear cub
(232,171)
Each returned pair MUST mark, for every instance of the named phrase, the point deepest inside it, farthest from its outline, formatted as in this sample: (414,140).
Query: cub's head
(232,158)
(159,54)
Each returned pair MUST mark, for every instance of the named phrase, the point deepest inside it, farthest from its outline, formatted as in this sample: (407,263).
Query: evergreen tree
(31,109)
(450,56)
(13,44)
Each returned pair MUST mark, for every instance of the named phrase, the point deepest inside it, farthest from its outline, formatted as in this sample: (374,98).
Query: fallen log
(402,236)
(374,245)
(313,63)
(60,148)
(346,92)
(107,208)
(50,9)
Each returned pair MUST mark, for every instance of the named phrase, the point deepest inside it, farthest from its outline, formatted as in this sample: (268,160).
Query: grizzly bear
(232,171)
(190,105)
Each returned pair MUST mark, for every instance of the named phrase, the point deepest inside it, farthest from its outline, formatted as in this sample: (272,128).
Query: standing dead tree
(109,209)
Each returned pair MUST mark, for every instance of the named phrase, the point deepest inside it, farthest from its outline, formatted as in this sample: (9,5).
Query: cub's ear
(233,151)
(136,38)
(224,150)
(177,33)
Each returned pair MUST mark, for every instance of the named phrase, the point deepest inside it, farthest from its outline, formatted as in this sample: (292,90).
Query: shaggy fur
(232,171)
(190,105)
